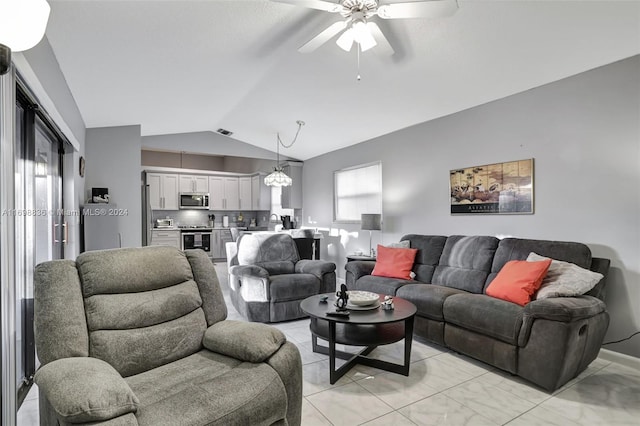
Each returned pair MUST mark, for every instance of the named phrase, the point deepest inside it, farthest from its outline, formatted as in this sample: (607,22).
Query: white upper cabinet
(292,195)
(194,183)
(260,193)
(224,193)
(163,191)
(244,186)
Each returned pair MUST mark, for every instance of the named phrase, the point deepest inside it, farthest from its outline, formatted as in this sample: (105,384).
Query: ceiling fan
(357,22)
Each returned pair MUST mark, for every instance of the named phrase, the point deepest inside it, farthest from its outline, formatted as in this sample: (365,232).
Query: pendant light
(22,26)
(278,177)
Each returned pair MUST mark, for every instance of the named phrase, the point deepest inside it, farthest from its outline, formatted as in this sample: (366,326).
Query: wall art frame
(499,188)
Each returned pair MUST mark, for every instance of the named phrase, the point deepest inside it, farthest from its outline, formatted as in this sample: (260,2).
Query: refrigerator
(101,227)
(147,216)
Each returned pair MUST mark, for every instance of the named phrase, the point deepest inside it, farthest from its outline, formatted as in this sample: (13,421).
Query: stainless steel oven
(194,200)
(196,240)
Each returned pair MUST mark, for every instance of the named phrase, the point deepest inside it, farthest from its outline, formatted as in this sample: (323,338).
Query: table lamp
(371,222)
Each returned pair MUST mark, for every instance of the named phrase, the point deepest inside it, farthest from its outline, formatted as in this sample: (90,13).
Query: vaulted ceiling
(192,66)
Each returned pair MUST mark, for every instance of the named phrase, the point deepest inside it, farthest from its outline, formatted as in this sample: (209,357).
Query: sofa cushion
(381,285)
(119,271)
(212,389)
(465,262)
(261,249)
(293,286)
(429,251)
(394,262)
(428,298)
(132,351)
(132,310)
(518,280)
(519,249)
(564,279)
(485,315)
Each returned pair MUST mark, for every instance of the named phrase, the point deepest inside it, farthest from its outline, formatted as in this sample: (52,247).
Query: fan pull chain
(358,76)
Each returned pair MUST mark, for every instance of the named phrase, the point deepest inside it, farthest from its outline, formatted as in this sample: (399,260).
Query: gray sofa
(268,280)
(548,341)
(138,337)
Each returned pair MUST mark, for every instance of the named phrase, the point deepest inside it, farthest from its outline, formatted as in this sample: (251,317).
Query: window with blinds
(357,190)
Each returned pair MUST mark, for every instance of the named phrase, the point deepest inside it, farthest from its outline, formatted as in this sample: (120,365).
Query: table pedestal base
(360,357)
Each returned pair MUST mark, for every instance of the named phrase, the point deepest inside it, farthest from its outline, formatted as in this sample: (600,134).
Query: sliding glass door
(40,230)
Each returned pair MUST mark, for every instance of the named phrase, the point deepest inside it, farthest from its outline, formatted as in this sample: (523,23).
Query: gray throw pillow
(246,341)
(84,390)
(400,244)
(564,279)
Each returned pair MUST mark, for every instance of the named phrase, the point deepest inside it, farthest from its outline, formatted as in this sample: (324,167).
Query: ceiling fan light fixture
(345,41)
(363,36)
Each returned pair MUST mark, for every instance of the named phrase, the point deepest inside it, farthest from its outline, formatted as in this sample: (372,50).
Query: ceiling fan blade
(418,9)
(314,4)
(323,37)
(384,47)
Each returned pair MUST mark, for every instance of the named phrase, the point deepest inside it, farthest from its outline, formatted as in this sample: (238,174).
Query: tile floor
(443,388)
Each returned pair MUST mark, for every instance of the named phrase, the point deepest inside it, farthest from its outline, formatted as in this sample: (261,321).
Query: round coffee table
(370,328)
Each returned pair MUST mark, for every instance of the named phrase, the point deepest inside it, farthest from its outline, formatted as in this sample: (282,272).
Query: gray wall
(113,161)
(584,134)
(206,162)
(40,70)
(205,143)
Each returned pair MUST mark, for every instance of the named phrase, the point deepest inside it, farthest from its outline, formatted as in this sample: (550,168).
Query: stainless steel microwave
(194,200)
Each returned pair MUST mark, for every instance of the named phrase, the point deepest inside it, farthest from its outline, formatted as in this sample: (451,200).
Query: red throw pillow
(518,280)
(395,262)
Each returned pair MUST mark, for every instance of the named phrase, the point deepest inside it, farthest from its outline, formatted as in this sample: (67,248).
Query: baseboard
(620,358)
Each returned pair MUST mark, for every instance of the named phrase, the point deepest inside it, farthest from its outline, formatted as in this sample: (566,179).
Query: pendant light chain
(278,177)
(300,123)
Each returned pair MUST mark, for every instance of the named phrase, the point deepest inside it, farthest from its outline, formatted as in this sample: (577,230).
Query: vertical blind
(357,190)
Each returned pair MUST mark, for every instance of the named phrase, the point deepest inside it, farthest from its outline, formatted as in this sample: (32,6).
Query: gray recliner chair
(138,336)
(268,280)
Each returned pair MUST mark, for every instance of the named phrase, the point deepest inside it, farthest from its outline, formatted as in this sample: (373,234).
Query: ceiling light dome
(22,26)
(23,23)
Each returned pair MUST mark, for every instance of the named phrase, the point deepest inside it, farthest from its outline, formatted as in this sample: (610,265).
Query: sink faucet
(272,215)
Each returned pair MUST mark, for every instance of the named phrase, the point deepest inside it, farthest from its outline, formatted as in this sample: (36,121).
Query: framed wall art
(501,188)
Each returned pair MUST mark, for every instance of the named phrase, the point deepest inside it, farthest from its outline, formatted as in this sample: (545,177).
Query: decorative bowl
(362,298)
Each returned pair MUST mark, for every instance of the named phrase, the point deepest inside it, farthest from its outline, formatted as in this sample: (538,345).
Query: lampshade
(278,178)
(23,23)
(371,222)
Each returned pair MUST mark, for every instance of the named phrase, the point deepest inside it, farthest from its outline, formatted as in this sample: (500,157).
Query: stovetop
(194,227)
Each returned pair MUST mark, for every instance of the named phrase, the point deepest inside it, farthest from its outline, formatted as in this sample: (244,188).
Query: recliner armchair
(138,336)
(268,280)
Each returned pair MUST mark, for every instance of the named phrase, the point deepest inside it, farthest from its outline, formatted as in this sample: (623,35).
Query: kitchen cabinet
(166,237)
(163,191)
(260,193)
(244,192)
(219,239)
(224,193)
(194,183)
(291,196)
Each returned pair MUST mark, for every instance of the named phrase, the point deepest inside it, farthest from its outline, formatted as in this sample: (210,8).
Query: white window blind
(357,190)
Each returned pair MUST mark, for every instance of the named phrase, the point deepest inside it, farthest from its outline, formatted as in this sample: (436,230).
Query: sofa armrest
(357,269)
(246,341)
(564,309)
(559,309)
(315,267)
(244,271)
(84,389)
